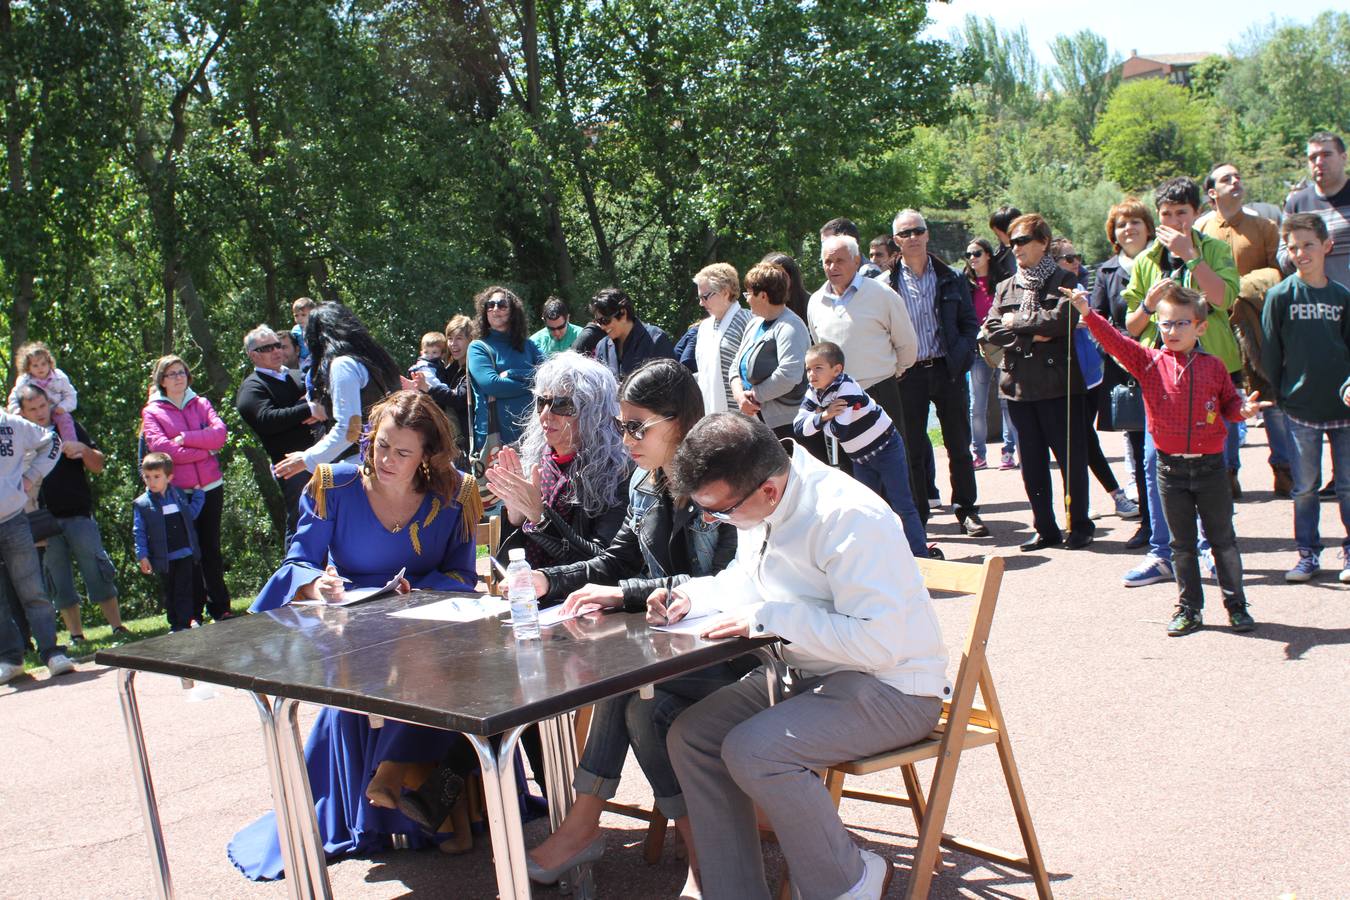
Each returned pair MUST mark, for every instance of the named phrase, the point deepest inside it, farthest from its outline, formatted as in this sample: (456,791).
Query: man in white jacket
(822,564)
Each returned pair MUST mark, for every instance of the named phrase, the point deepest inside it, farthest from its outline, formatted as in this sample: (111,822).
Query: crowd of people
(654,476)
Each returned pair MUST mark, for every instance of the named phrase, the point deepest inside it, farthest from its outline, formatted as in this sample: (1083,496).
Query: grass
(101,637)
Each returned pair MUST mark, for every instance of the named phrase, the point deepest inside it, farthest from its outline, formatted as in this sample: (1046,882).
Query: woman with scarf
(718,336)
(1034,325)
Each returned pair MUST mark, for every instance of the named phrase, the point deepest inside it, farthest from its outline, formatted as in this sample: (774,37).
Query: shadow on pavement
(1298,639)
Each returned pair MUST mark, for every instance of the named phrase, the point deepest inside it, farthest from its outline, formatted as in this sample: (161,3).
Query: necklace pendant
(397,528)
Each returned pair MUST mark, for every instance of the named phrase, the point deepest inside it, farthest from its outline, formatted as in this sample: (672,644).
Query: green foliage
(1152,130)
(1086,72)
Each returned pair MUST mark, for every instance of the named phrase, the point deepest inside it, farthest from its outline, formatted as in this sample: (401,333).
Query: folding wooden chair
(963,725)
(488,534)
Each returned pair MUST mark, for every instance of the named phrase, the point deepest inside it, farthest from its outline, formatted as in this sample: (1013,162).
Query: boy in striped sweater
(836,404)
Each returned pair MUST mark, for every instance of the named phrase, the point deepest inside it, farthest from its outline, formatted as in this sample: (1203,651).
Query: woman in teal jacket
(501,366)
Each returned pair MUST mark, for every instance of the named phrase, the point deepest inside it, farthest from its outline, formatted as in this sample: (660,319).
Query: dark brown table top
(473,677)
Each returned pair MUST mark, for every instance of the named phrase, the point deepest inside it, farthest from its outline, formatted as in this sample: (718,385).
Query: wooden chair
(488,534)
(963,725)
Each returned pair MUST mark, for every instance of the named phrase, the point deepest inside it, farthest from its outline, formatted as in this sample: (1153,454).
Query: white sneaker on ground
(9,671)
(60,664)
(1152,570)
(877,874)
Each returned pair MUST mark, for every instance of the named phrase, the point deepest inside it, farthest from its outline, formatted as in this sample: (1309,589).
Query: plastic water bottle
(520,591)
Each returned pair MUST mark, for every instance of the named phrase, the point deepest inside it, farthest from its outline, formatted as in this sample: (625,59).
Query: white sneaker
(9,671)
(877,874)
(60,664)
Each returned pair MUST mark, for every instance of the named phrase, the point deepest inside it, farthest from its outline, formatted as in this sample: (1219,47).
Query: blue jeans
(25,575)
(78,544)
(1278,436)
(621,721)
(1307,472)
(1232,458)
(1159,544)
(886,472)
(982,380)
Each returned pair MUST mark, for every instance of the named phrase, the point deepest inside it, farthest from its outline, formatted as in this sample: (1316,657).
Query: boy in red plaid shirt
(1189,398)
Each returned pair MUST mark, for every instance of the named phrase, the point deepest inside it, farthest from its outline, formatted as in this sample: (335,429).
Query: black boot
(431,803)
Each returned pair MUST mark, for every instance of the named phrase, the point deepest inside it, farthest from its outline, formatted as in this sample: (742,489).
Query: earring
(426,470)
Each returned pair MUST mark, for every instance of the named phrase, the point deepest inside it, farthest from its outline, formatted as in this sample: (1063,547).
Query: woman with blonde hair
(719,335)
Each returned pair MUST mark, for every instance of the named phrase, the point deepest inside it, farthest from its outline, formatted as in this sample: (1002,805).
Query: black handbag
(1127,407)
(43,525)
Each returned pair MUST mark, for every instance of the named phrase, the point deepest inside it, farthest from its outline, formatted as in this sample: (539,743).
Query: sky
(1139,25)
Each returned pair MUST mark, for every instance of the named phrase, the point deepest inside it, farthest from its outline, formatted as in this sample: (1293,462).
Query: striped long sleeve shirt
(861,429)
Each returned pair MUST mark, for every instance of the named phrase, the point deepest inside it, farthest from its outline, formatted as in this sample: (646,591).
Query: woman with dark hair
(979,272)
(348,374)
(797,295)
(566,488)
(403,505)
(768,377)
(182,423)
(1130,229)
(664,540)
(1034,323)
(502,361)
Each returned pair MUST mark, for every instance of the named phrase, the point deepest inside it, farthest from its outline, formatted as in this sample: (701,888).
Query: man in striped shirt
(836,404)
(937,298)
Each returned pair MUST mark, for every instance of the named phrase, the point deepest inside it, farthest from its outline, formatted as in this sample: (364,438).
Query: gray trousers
(732,751)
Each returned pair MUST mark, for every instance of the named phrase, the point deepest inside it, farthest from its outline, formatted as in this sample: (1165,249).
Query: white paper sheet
(456,609)
(691,624)
(356,595)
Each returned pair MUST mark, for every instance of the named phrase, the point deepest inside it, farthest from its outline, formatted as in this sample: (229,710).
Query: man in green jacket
(1205,264)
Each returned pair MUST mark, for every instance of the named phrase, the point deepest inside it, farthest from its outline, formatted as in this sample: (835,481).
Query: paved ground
(1207,766)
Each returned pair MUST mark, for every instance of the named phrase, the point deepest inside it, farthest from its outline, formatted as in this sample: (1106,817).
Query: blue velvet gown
(343,750)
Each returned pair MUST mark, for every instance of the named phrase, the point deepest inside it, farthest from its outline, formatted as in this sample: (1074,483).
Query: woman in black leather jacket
(664,540)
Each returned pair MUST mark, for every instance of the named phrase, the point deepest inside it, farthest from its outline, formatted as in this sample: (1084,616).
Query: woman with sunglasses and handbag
(502,361)
(665,540)
(984,279)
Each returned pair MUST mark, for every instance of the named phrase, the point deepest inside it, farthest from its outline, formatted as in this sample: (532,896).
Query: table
(471,677)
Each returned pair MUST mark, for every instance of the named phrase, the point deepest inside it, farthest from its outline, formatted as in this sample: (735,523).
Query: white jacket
(830,572)
(26,451)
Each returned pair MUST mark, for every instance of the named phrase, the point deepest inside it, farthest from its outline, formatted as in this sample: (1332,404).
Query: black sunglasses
(559,327)
(975,254)
(723,515)
(560,406)
(498,303)
(602,320)
(638,430)
(1022,240)
(266,348)
(911,232)
(1068,257)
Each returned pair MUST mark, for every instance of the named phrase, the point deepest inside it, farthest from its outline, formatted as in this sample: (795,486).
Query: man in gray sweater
(27,453)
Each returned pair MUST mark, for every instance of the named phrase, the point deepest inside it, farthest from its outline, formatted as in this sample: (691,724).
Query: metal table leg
(560,761)
(503,809)
(145,786)
(297,882)
(300,799)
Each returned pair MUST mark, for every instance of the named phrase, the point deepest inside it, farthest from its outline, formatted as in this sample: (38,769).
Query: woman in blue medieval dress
(404,506)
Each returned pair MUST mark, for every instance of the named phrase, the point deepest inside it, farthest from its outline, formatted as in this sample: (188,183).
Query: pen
(497,566)
(669,594)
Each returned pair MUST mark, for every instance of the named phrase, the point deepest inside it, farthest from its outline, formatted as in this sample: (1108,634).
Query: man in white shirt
(858,628)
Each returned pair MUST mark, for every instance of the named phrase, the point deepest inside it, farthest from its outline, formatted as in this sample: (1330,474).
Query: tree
(1012,79)
(1086,72)
(1153,130)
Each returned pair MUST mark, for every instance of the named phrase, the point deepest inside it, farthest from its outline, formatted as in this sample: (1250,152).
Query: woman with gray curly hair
(565,485)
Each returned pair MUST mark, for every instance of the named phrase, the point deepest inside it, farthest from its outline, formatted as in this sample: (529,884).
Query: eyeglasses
(561,326)
(974,254)
(911,232)
(1021,240)
(724,515)
(601,320)
(559,406)
(1174,324)
(1068,257)
(704,295)
(176,373)
(638,430)
(497,303)
(266,348)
